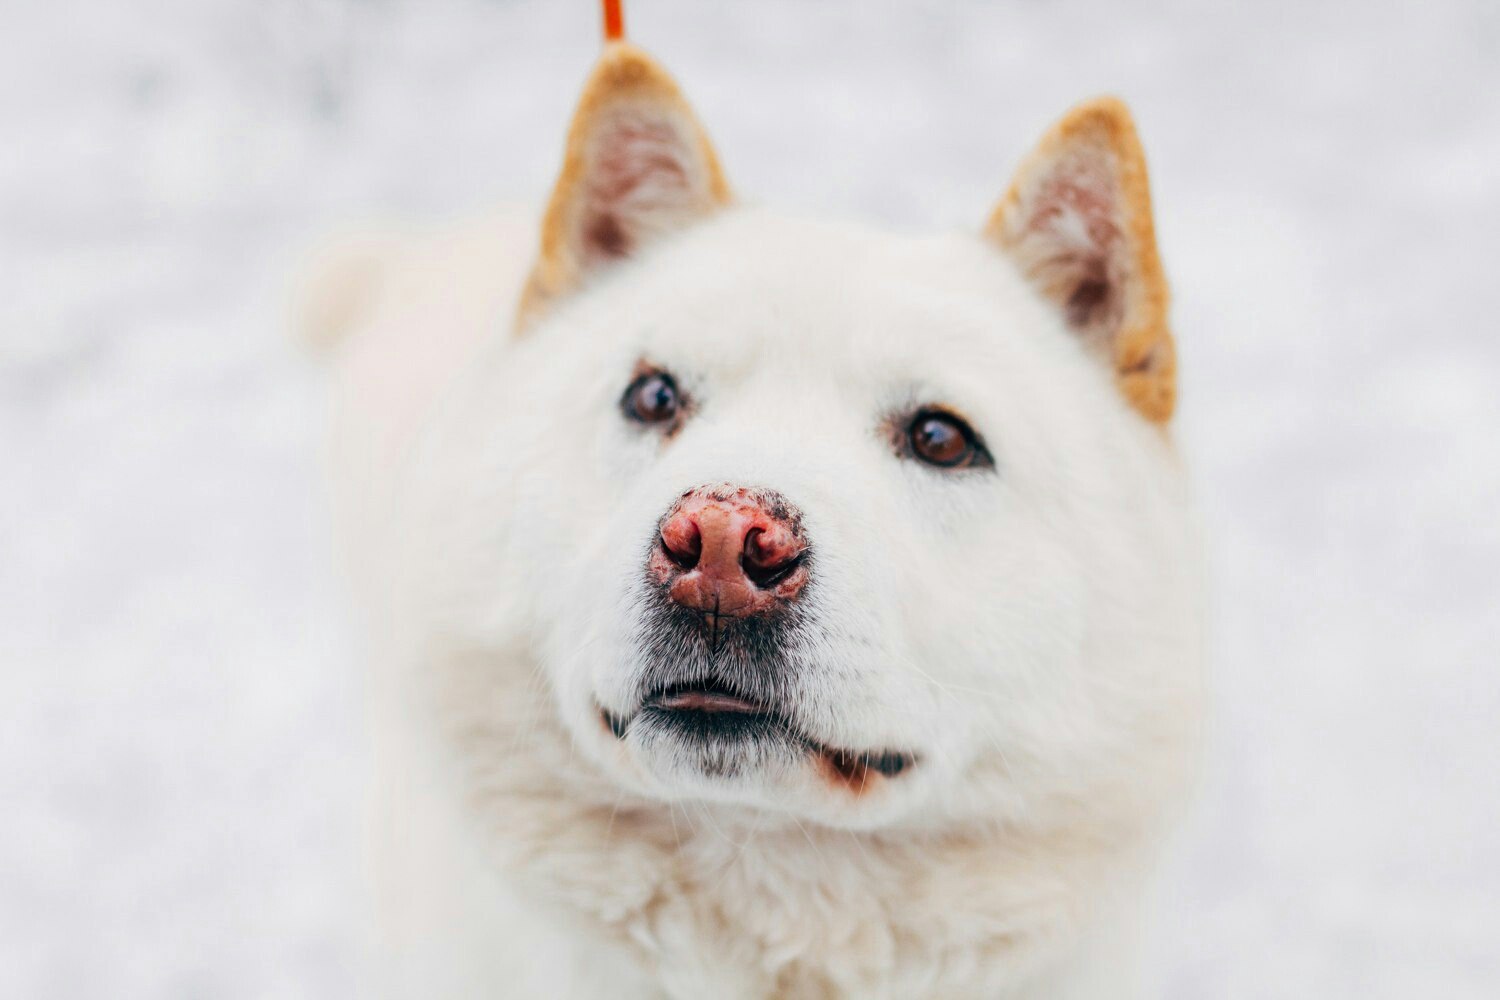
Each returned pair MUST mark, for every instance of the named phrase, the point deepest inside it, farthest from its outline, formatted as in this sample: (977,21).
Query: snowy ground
(177,705)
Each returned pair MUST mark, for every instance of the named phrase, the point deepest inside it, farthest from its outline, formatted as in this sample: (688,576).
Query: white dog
(763,607)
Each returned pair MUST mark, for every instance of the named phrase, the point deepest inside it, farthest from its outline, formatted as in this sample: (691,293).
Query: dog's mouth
(729,731)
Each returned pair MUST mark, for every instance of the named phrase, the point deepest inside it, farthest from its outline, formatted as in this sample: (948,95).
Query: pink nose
(730,551)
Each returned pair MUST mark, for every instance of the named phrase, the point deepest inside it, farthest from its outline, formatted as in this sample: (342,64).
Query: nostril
(682,542)
(756,549)
(769,557)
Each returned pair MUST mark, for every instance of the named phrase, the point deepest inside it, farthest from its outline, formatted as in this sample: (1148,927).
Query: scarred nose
(730,551)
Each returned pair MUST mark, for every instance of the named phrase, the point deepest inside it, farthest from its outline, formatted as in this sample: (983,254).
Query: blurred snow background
(178,705)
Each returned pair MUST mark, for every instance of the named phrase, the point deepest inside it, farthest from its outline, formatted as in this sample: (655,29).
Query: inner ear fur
(1077,221)
(637,164)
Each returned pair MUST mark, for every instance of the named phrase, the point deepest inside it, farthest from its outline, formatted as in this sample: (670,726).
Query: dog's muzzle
(728,578)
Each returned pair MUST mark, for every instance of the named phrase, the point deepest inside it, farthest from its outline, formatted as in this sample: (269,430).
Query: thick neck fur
(732,903)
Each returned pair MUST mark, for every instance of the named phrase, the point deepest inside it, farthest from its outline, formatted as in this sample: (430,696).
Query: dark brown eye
(943,440)
(652,399)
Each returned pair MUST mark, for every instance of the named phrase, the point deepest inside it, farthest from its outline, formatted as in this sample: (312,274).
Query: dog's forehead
(753,293)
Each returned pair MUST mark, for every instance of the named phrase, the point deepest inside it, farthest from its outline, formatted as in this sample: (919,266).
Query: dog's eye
(652,399)
(943,440)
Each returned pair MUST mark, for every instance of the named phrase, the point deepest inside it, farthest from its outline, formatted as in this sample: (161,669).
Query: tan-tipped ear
(638,164)
(1077,220)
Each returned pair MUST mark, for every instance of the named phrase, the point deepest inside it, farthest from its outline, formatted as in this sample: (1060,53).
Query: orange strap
(614,21)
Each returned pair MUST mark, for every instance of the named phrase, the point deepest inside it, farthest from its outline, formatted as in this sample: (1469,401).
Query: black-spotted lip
(703,710)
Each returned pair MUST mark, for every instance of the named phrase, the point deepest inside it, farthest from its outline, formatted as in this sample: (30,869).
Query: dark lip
(709,709)
(704,698)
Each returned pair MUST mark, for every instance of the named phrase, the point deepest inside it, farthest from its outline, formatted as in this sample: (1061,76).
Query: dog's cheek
(586,546)
(991,612)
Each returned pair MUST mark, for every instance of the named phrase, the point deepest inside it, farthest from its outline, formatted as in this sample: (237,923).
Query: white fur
(1033,633)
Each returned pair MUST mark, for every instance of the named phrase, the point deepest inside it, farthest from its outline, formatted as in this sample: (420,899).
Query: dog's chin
(706,739)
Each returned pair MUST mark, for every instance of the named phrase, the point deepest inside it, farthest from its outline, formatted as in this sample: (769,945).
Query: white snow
(178,705)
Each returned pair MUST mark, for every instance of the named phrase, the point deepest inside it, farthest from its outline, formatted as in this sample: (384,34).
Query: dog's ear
(1077,221)
(637,165)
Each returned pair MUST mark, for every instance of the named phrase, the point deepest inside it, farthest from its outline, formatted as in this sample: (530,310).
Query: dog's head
(861,528)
